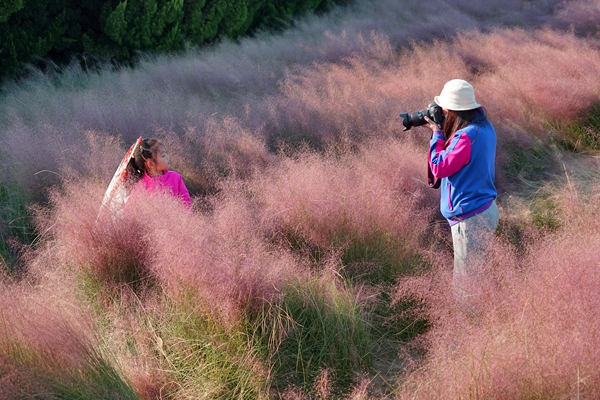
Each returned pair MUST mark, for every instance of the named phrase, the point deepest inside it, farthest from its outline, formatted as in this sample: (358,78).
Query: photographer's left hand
(432,125)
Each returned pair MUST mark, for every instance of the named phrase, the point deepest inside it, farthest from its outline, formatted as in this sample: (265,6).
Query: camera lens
(418,117)
(406,121)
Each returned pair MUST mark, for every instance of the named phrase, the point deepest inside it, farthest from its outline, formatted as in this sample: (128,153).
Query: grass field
(315,263)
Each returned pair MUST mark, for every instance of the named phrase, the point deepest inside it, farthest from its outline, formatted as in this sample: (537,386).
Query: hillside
(315,263)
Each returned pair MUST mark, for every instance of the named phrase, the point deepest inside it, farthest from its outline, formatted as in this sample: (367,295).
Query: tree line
(32,31)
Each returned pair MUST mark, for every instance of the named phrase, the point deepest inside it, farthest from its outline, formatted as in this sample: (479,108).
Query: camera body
(417,118)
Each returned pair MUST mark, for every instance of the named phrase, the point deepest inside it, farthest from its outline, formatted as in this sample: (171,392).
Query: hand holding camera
(432,125)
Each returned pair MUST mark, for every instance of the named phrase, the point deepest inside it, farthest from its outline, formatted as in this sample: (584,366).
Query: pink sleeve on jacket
(446,161)
(184,194)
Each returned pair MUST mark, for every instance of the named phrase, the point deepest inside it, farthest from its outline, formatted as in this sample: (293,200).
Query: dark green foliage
(278,12)
(115,30)
(8,7)
(202,19)
(33,32)
(115,26)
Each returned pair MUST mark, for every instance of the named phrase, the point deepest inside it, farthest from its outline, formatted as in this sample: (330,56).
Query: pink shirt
(170,181)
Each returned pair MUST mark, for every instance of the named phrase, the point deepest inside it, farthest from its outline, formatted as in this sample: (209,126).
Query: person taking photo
(462,155)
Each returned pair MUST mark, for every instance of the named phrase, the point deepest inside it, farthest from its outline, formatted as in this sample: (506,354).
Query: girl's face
(159,163)
(161,160)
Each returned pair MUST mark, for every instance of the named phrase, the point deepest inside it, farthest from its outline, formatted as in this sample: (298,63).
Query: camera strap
(432,181)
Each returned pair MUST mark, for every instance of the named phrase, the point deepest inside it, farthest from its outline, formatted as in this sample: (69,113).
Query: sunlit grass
(317,325)
(584,136)
(315,263)
(204,359)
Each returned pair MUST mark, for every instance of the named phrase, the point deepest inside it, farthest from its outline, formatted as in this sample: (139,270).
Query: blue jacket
(466,167)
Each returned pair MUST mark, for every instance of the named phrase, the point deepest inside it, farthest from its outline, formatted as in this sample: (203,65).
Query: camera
(417,118)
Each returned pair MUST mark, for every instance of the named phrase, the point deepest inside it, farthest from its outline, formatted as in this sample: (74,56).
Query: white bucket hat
(457,95)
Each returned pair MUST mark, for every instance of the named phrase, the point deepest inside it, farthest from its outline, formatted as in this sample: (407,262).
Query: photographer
(461,155)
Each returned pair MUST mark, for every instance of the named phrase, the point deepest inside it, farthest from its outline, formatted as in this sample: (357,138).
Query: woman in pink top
(150,163)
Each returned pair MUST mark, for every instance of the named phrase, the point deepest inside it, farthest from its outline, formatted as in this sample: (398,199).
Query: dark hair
(456,120)
(144,152)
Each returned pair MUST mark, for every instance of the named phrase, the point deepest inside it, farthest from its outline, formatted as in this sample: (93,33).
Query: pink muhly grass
(361,389)
(582,17)
(222,258)
(531,78)
(43,344)
(112,250)
(327,201)
(35,160)
(94,155)
(219,148)
(247,80)
(322,387)
(360,98)
(319,99)
(538,333)
(41,162)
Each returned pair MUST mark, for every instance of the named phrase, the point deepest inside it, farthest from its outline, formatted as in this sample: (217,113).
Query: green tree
(278,13)
(234,22)
(118,30)
(116,26)
(30,33)
(202,19)
(131,26)
(8,7)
